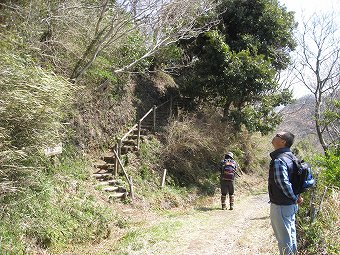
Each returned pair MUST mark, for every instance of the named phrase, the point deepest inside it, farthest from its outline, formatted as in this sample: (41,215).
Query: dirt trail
(245,230)
(210,231)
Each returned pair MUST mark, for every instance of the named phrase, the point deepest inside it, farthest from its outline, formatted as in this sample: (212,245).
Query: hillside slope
(298,118)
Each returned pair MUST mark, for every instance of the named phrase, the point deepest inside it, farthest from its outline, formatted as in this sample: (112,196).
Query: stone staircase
(108,168)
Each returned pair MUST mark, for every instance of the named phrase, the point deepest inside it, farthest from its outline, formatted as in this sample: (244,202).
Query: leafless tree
(161,23)
(171,21)
(319,68)
(75,33)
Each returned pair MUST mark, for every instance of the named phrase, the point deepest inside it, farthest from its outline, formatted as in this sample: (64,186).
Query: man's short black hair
(289,138)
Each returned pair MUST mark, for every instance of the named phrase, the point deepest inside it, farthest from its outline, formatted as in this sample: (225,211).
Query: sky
(307,8)
(310,6)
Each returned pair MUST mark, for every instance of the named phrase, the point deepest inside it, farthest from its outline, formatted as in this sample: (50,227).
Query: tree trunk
(226,110)
(317,116)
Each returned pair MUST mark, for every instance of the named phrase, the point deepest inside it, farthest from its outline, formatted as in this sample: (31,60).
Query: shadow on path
(207,209)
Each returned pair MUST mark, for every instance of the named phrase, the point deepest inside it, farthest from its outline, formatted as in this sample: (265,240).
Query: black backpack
(301,177)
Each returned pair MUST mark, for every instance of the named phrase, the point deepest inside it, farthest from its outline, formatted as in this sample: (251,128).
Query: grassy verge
(140,240)
(318,218)
(59,208)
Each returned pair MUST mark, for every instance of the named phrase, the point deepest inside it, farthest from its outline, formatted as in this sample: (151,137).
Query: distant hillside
(298,118)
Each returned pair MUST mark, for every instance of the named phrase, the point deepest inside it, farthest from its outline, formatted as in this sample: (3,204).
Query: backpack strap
(296,164)
(294,159)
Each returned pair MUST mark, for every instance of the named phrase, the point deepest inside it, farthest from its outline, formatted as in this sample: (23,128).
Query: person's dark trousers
(227,187)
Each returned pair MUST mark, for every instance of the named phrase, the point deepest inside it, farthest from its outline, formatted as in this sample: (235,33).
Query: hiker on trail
(228,168)
(283,201)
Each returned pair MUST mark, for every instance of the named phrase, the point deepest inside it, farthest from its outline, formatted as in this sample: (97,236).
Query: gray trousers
(282,218)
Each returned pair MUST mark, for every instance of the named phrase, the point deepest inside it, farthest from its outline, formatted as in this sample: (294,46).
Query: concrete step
(111,182)
(111,188)
(102,176)
(104,166)
(130,142)
(109,157)
(99,164)
(102,171)
(127,149)
(116,195)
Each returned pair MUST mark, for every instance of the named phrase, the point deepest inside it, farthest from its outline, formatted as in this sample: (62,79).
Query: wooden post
(116,161)
(154,118)
(119,151)
(163,178)
(312,209)
(170,110)
(138,135)
(132,195)
(313,213)
(323,197)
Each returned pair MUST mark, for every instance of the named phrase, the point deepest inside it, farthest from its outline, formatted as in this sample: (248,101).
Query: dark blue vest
(276,195)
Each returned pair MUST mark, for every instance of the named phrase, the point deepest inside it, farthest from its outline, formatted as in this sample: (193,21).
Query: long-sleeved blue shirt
(279,187)
(281,178)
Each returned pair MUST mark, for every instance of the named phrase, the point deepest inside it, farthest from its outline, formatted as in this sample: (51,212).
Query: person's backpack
(228,169)
(302,177)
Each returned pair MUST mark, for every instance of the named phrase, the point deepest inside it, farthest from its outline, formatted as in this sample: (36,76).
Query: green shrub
(330,164)
(317,231)
(318,237)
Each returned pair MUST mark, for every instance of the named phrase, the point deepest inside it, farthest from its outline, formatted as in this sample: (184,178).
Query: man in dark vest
(228,168)
(283,201)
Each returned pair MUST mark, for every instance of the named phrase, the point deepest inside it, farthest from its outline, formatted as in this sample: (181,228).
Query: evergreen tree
(235,66)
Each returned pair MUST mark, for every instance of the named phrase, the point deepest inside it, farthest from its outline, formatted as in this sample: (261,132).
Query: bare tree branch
(319,67)
(88,29)
(171,22)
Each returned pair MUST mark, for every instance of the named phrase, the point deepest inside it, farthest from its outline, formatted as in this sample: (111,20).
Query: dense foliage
(331,168)
(265,27)
(235,66)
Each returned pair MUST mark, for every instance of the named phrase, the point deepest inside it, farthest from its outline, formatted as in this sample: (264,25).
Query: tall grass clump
(146,170)
(42,206)
(33,106)
(189,153)
(196,143)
